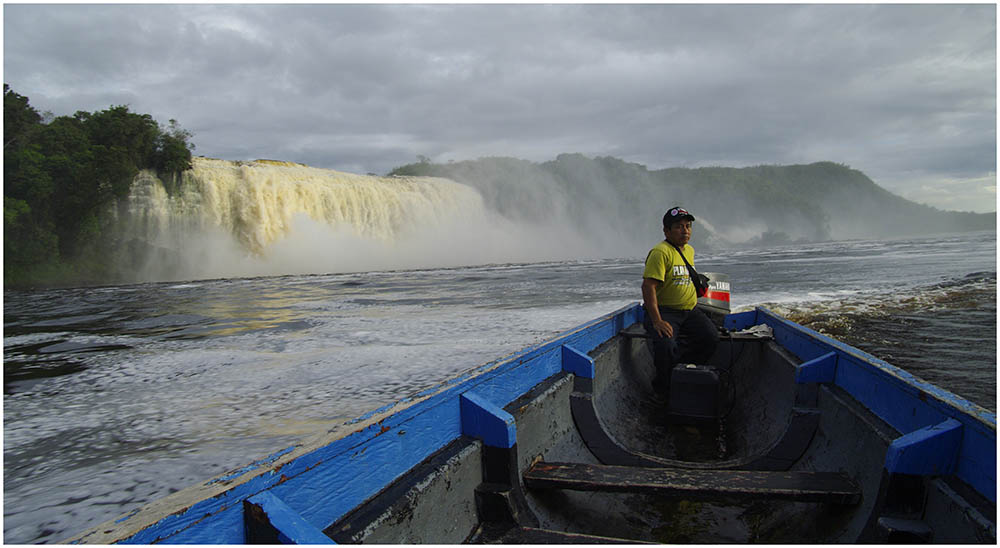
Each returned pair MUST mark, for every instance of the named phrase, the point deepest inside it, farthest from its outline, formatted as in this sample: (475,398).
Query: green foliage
(18,116)
(423,168)
(26,243)
(62,176)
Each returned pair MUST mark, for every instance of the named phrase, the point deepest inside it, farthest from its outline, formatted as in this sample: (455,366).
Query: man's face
(678,233)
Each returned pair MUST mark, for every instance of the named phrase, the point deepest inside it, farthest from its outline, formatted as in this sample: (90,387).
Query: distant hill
(761,204)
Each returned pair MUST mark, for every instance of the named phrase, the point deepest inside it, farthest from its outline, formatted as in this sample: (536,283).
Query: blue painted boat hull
(474,459)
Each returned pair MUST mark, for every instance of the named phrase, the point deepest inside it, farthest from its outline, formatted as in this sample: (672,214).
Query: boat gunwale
(176,513)
(964,406)
(914,403)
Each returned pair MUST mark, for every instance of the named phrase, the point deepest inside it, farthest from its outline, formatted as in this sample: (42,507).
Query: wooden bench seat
(695,484)
(533,536)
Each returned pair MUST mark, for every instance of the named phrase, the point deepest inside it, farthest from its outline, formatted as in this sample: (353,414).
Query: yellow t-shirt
(666,265)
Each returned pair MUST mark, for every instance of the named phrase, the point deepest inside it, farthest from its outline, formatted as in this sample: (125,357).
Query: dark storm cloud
(906,94)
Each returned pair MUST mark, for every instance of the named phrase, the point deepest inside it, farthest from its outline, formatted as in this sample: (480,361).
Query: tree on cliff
(60,178)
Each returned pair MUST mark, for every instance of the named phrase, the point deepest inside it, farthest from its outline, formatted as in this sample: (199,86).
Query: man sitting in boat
(681,333)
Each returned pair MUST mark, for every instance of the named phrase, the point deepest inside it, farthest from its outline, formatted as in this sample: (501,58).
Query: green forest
(62,174)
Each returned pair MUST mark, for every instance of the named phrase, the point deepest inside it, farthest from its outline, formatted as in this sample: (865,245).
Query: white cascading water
(231,219)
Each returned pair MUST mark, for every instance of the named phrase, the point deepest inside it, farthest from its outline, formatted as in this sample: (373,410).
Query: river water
(116,396)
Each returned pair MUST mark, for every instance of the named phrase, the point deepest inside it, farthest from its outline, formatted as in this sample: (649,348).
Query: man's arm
(649,287)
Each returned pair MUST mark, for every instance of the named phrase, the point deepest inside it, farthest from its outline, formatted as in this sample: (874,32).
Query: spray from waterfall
(233,219)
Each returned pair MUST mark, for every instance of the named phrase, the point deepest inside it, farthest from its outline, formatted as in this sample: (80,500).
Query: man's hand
(663,328)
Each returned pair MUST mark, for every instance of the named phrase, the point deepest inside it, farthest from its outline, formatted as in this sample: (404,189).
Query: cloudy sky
(904,93)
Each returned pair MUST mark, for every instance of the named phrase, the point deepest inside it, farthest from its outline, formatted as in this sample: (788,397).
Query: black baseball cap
(676,214)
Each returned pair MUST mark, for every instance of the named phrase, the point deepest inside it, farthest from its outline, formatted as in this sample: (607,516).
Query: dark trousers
(694,341)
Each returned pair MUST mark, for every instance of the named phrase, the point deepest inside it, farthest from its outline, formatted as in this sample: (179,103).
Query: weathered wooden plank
(695,484)
(930,451)
(636,331)
(268,520)
(486,421)
(576,362)
(533,536)
(821,369)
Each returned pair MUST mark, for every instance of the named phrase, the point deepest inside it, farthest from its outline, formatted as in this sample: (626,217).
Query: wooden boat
(785,436)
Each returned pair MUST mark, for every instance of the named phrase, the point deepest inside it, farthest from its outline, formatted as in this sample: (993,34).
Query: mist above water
(237,219)
(232,219)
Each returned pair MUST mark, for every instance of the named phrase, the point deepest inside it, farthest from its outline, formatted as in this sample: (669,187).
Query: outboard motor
(715,304)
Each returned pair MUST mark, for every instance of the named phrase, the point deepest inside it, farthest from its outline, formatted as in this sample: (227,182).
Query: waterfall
(257,201)
(231,219)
